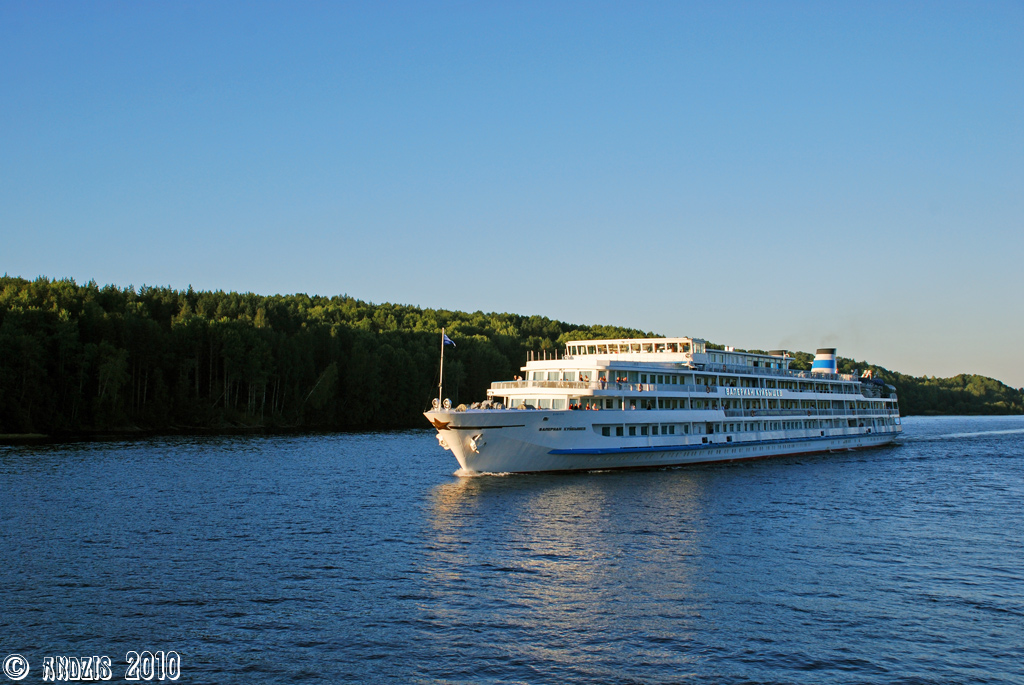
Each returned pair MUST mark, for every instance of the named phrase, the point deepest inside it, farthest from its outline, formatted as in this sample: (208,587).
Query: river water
(361,558)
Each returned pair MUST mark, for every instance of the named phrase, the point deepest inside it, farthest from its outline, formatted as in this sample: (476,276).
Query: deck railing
(718,367)
(754,413)
(616,386)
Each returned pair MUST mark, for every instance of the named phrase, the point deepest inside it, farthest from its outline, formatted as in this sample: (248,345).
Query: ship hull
(510,441)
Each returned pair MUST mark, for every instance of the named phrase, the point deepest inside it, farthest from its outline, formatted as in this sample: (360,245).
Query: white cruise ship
(641,403)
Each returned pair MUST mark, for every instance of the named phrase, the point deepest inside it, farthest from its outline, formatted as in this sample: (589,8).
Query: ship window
(606,431)
(607,404)
(643,430)
(618,431)
(552,375)
(591,349)
(558,404)
(537,376)
(632,430)
(569,375)
(643,378)
(654,430)
(671,430)
(675,380)
(544,403)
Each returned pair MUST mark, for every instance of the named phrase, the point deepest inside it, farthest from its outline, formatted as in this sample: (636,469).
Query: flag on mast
(445,340)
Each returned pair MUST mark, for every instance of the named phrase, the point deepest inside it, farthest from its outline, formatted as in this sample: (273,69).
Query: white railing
(739,413)
(783,373)
(635,387)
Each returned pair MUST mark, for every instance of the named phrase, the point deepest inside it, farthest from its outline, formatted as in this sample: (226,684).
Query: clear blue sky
(758,174)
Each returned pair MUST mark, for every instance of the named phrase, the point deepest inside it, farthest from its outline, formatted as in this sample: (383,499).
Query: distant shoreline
(130,433)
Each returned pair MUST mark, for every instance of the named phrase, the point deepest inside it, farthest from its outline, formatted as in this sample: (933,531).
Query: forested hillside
(84,358)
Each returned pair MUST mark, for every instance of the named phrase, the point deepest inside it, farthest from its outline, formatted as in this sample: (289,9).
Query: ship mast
(440,378)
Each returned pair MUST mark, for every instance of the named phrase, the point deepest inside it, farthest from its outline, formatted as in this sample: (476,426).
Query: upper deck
(690,351)
(682,348)
(582,357)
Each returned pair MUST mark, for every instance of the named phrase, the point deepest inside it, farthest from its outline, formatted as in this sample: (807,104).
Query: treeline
(84,358)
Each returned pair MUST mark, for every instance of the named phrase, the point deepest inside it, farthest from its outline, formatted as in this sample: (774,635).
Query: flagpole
(440,378)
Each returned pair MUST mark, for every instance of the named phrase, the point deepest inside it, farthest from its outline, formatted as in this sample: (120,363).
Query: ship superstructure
(635,403)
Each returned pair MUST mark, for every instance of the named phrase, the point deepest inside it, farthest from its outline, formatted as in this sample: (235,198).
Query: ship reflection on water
(556,555)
